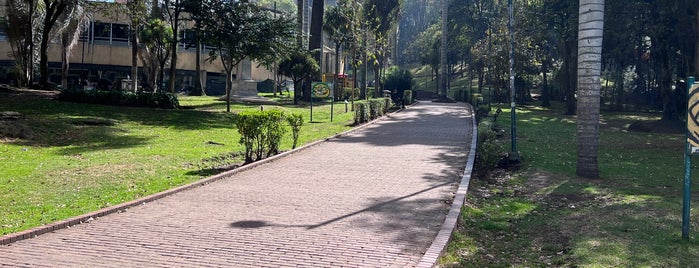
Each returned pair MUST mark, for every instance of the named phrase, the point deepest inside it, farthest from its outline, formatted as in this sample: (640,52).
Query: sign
(321,90)
(693,119)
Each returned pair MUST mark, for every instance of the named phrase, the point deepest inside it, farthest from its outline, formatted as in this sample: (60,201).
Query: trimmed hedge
(121,98)
(367,110)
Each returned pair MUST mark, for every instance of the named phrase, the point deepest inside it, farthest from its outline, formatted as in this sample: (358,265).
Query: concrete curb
(443,237)
(86,218)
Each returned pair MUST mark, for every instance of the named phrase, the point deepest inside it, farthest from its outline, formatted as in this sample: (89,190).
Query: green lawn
(76,158)
(543,215)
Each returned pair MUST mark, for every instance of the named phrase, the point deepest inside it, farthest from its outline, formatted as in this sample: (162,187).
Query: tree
(590,36)
(73,21)
(381,17)
(337,26)
(174,9)
(315,41)
(242,30)
(196,13)
(18,26)
(281,5)
(156,37)
(137,13)
(299,66)
(443,50)
(52,11)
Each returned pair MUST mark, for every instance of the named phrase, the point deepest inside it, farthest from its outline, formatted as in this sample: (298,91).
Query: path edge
(119,208)
(439,244)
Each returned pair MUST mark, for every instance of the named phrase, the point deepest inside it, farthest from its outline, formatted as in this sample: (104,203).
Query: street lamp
(514,155)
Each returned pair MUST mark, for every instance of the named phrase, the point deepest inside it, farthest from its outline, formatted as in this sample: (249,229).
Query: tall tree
(590,36)
(337,25)
(73,21)
(156,38)
(137,12)
(443,51)
(381,17)
(174,9)
(242,30)
(315,42)
(21,15)
(52,11)
(196,13)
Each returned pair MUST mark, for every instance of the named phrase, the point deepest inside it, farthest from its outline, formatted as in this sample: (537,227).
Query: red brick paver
(375,197)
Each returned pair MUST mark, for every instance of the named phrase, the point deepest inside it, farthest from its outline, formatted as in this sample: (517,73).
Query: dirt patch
(659,126)
(15,91)
(11,126)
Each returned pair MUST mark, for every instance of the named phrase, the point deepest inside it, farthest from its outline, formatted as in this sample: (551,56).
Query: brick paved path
(373,198)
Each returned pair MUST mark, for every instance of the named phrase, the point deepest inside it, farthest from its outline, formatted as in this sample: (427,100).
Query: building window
(102,32)
(120,33)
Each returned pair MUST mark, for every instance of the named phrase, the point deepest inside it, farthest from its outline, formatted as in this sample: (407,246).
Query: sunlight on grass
(82,158)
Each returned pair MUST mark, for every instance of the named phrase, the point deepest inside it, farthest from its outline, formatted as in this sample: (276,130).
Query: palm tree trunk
(443,52)
(590,29)
(134,60)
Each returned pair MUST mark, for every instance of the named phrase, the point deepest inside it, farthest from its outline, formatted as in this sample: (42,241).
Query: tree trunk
(443,52)
(316,38)
(134,60)
(198,87)
(175,31)
(590,29)
(65,64)
(570,78)
(545,93)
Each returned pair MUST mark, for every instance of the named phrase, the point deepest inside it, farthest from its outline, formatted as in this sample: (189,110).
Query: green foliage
(260,132)
(367,110)
(482,112)
(397,81)
(489,151)
(121,98)
(347,93)
(295,122)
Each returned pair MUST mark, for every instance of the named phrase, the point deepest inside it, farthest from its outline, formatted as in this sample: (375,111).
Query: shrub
(121,98)
(367,110)
(489,152)
(260,132)
(482,111)
(295,121)
(361,112)
(347,93)
(476,99)
(397,81)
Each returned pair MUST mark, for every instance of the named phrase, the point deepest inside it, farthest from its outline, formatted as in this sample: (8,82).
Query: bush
(361,112)
(295,121)
(397,81)
(482,111)
(121,98)
(489,152)
(260,132)
(367,110)
(347,93)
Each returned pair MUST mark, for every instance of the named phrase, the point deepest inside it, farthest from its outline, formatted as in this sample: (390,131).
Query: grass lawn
(76,158)
(543,215)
